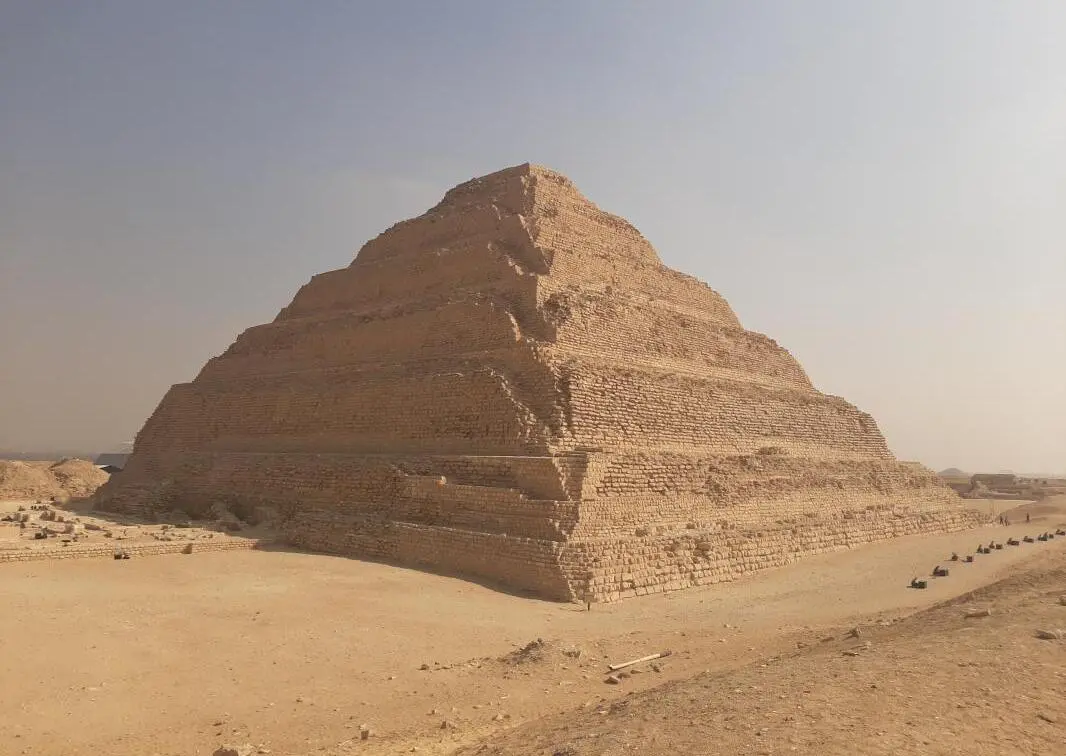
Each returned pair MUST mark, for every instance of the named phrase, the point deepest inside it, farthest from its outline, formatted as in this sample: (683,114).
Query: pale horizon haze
(878,186)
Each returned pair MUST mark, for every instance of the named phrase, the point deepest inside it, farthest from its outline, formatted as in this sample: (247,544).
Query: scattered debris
(613,680)
(235,750)
(534,651)
(649,657)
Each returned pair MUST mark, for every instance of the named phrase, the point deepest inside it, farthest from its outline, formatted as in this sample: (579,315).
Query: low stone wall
(136,549)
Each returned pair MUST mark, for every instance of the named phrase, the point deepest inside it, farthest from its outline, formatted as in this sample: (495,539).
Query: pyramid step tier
(580,323)
(510,403)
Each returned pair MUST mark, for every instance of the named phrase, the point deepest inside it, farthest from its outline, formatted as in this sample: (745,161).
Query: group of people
(1004,520)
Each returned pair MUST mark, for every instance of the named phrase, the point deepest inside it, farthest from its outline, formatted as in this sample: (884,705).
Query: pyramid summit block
(512,386)
(528,205)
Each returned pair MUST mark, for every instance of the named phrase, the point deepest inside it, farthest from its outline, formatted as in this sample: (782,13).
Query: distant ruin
(513,387)
(63,480)
(1004,486)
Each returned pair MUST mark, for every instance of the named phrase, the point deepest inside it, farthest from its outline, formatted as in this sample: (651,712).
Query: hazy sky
(880,186)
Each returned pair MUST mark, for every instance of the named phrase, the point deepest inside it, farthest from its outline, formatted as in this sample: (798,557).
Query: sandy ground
(177,654)
(948,680)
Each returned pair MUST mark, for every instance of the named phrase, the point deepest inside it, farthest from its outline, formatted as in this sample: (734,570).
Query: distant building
(995,479)
(112,462)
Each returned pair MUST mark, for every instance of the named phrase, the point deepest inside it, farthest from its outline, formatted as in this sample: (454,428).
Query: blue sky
(878,185)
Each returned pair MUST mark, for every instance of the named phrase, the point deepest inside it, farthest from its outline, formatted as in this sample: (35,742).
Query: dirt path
(175,654)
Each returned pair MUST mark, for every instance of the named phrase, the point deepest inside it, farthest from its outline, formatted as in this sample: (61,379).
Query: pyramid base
(522,565)
(510,521)
(612,569)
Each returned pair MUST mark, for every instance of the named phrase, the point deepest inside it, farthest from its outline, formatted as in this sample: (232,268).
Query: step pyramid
(513,387)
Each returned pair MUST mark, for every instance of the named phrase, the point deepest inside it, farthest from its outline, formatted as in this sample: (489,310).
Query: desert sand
(294,653)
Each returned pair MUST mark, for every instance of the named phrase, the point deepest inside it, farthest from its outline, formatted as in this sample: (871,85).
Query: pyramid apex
(504,175)
(541,201)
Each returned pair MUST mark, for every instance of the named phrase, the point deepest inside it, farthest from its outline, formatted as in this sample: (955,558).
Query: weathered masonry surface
(513,387)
